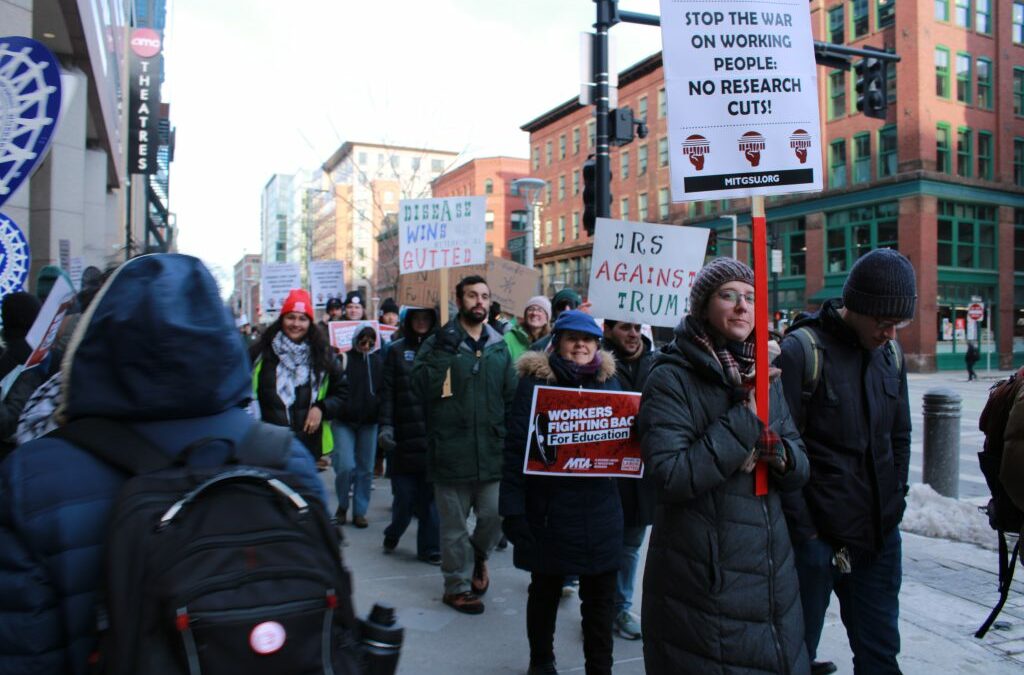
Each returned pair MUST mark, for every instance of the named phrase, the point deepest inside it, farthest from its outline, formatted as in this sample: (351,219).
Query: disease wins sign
(439,233)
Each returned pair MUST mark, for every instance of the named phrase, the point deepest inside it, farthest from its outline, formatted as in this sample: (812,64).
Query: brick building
(492,177)
(942,179)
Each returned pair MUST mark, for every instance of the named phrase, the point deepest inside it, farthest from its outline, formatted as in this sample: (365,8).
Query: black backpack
(1003,514)
(224,569)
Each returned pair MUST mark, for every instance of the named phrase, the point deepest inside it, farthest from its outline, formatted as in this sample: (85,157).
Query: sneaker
(823,668)
(546,669)
(341,515)
(432,559)
(570,587)
(360,522)
(390,545)
(467,603)
(626,626)
(481,579)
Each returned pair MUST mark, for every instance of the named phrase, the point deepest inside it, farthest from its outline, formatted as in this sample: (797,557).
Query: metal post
(942,441)
(989,335)
(602,161)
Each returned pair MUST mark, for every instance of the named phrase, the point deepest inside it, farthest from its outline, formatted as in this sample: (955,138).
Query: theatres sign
(146,65)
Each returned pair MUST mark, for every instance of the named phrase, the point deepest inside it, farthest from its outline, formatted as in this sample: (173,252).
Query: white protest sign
(440,233)
(75,267)
(742,94)
(343,332)
(327,280)
(276,281)
(43,332)
(642,273)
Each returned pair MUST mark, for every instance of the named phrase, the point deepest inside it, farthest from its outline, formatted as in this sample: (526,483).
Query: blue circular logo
(14,257)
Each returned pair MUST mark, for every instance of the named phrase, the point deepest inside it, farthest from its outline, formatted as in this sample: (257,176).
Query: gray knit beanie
(717,272)
(882,285)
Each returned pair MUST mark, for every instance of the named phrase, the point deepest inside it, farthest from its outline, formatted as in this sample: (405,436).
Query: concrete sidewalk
(948,589)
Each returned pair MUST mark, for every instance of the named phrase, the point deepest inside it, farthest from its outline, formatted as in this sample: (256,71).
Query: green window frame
(887,151)
(624,165)
(837,163)
(964,152)
(859,19)
(663,151)
(1018,162)
(641,207)
(963,77)
(1017,20)
(942,72)
(791,238)
(663,204)
(862,158)
(885,13)
(1018,241)
(943,161)
(1018,92)
(837,94)
(890,83)
(561,188)
(983,16)
(851,233)
(576,141)
(561,147)
(985,155)
(966,236)
(942,10)
(642,108)
(983,70)
(641,160)
(624,208)
(837,24)
(962,13)
(575,183)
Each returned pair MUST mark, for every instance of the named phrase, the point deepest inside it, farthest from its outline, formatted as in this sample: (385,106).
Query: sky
(259,87)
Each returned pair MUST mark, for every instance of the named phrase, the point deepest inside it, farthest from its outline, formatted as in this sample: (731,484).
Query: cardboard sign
(742,95)
(327,279)
(578,432)
(642,273)
(511,284)
(276,281)
(343,332)
(441,233)
(44,330)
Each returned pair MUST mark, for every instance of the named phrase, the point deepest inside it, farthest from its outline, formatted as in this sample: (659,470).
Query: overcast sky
(259,87)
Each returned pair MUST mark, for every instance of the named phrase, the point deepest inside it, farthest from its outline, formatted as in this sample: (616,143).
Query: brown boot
(467,603)
(481,579)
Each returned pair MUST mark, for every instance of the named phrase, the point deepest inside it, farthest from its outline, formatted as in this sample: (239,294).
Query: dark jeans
(971,375)
(413,496)
(868,601)
(597,596)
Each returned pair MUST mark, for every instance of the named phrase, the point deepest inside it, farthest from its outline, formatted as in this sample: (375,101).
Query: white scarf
(293,370)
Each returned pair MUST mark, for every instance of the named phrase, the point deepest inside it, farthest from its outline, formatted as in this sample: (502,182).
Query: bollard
(942,441)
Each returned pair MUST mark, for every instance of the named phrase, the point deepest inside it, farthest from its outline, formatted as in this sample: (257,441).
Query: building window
(641,206)
(575,183)
(837,163)
(642,108)
(488,187)
(547,232)
(962,13)
(663,151)
(362,159)
(792,239)
(963,78)
(887,159)
(942,159)
(985,155)
(576,225)
(624,165)
(862,158)
(663,204)
(942,72)
(561,188)
(536,157)
(942,10)
(966,235)
(547,153)
(859,18)
(518,221)
(1018,23)
(984,71)
(641,160)
(576,141)
(661,103)
(836,25)
(964,159)
(886,13)
(547,192)
(489,220)
(890,83)
(1018,92)
(624,208)
(1018,240)
(561,229)
(1018,162)
(854,232)
(561,147)
(590,134)
(837,94)
(983,16)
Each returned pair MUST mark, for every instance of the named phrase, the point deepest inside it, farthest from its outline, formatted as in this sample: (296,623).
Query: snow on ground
(932,515)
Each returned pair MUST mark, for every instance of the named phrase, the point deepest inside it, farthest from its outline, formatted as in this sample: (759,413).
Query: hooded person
(47,278)
(535,325)
(158,352)
(18,311)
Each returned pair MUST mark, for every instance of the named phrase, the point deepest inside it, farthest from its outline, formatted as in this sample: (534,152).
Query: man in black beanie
(845,381)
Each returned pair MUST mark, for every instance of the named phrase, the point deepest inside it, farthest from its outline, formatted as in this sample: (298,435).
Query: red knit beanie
(298,301)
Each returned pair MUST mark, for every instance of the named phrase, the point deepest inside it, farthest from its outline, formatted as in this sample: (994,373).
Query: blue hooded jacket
(157,350)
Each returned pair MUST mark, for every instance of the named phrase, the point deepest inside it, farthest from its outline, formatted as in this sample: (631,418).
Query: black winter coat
(720,588)
(857,434)
(400,408)
(364,374)
(576,522)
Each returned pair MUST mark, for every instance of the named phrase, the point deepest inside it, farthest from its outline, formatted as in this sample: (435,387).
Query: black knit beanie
(717,272)
(19,312)
(882,285)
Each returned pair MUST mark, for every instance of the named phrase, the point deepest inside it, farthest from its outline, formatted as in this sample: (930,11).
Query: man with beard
(463,375)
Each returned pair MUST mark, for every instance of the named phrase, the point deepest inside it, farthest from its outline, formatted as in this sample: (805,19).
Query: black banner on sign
(731,181)
(145,77)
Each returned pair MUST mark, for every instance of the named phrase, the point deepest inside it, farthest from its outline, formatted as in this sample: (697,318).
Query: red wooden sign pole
(760,260)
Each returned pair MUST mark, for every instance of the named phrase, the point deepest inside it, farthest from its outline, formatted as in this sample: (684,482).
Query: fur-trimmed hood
(536,365)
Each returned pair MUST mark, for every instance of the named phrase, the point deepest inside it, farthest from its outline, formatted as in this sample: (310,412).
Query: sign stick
(759,253)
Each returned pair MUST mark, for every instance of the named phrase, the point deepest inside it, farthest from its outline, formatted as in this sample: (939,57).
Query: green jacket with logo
(466,430)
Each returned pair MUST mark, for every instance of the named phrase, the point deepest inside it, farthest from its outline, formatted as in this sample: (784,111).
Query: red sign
(145,42)
(976,311)
(578,432)
(343,332)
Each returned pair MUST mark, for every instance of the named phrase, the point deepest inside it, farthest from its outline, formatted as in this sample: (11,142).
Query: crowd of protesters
(734,581)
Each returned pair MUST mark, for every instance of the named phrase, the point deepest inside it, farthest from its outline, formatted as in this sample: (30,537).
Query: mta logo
(577,463)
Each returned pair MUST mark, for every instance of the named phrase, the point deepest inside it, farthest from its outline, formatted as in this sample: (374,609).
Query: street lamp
(530,189)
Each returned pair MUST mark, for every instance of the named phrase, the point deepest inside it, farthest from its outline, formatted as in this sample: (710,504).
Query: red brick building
(942,179)
(491,176)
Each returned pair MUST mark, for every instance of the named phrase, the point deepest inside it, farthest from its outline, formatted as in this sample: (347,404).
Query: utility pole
(606,18)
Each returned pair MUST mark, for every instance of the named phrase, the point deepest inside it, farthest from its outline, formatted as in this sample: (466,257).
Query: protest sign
(742,95)
(642,273)
(14,256)
(276,281)
(75,269)
(511,284)
(327,280)
(343,332)
(387,333)
(44,329)
(580,432)
(441,233)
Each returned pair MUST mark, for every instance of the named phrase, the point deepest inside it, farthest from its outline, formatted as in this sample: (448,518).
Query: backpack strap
(897,353)
(814,356)
(115,443)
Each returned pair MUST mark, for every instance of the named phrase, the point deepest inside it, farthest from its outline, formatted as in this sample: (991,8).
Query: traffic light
(713,243)
(872,94)
(620,126)
(590,194)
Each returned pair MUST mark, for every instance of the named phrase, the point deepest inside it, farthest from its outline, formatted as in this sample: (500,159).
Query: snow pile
(932,515)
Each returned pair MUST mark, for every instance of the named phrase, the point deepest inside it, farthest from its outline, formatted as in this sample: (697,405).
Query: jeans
(413,496)
(868,601)
(355,447)
(597,597)
(460,550)
(632,540)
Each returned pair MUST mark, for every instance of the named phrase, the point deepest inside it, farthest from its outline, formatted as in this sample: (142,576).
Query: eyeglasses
(733,297)
(886,325)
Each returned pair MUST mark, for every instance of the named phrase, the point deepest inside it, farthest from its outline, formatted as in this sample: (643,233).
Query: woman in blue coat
(563,526)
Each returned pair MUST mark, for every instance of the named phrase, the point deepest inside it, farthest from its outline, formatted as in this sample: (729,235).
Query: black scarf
(569,373)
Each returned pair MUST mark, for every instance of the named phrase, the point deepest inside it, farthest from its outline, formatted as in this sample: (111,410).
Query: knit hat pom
(716,273)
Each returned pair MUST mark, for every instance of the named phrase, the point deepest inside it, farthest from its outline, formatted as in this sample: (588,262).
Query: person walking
(463,375)
(855,420)
(333,311)
(354,306)
(403,436)
(720,590)
(296,382)
(535,325)
(563,525)
(972,356)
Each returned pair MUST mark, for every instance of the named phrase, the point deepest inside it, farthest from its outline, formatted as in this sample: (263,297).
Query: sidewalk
(948,590)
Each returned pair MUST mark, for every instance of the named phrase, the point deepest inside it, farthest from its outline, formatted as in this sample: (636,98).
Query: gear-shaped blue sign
(29,107)
(14,257)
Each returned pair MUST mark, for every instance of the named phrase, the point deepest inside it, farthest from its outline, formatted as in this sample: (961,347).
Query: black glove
(386,438)
(517,530)
(448,340)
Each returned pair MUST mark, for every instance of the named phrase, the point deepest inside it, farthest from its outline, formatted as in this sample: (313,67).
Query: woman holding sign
(720,589)
(558,525)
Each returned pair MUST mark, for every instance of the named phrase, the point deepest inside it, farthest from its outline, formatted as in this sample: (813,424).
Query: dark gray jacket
(720,589)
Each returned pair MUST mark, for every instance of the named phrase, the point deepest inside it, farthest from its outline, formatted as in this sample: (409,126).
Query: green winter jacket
(465,431)
(518,341)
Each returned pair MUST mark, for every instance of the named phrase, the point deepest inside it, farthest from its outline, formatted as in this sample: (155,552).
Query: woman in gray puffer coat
(720,589)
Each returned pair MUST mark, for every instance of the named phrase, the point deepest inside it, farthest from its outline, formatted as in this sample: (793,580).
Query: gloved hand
(448,340)
(386,438)
(518,531)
